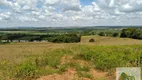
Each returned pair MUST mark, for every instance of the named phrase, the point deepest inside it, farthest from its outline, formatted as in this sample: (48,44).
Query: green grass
(108,57)
(27,69)
(104,58)
(33,67)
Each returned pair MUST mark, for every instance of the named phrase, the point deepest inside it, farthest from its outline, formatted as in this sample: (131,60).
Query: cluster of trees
(135,33)
(102,32)
(65,38)
(20,36)
(125,33)
(131,33)
(113,34)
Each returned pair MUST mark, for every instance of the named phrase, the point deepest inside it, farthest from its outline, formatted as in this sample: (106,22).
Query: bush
(53,59)
(128,32)
(26,70)
(115,34)
(91,40)
(102,34)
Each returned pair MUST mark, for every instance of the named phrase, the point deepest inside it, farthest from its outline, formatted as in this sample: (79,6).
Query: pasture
(72,61)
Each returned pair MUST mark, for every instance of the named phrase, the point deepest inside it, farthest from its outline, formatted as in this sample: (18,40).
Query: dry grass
(16,52)
(19,52)
(109,41)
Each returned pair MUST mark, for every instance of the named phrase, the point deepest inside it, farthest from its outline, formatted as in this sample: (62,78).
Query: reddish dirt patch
(66,59)
(71,74)
(98,74)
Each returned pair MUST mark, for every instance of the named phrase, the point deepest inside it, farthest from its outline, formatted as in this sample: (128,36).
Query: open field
(109,41)
(70,39)
(72,61)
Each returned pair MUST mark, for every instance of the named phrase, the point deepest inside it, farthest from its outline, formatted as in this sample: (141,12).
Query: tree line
(57,38)
(125,33)
(131,33)
(135,33)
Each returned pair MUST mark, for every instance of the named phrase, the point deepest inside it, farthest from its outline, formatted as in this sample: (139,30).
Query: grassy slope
(110,41)
(31,60)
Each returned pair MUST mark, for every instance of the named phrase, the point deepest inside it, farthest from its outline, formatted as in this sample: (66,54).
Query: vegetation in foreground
(34,60)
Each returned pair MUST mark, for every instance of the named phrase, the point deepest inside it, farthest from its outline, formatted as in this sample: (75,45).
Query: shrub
(115,34)
(91,40)
(102,34)
(127,32)
(52,61)
(26,70)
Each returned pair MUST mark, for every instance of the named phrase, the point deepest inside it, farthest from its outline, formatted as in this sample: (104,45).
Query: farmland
(73,61)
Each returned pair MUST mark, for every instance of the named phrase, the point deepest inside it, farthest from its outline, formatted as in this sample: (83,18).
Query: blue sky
(54,13)
(86,2)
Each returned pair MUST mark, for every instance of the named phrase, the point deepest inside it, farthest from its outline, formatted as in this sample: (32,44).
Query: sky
(64,13)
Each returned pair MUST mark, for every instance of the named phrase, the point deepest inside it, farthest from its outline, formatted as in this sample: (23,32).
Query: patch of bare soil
(66,59)
(98,74)
(71,74)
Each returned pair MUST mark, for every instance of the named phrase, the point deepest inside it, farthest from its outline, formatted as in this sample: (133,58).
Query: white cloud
(42,17)
(5,16)
(70,12)
(52,2)
(121,5)
(24,18)
(73,5)
(5,3)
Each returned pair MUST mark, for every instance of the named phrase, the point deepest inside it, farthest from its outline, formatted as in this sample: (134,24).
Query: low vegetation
(81,58)
(92,40)
(27,61)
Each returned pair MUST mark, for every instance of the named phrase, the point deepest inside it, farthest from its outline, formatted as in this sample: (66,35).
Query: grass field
(72,61)
(110,41)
